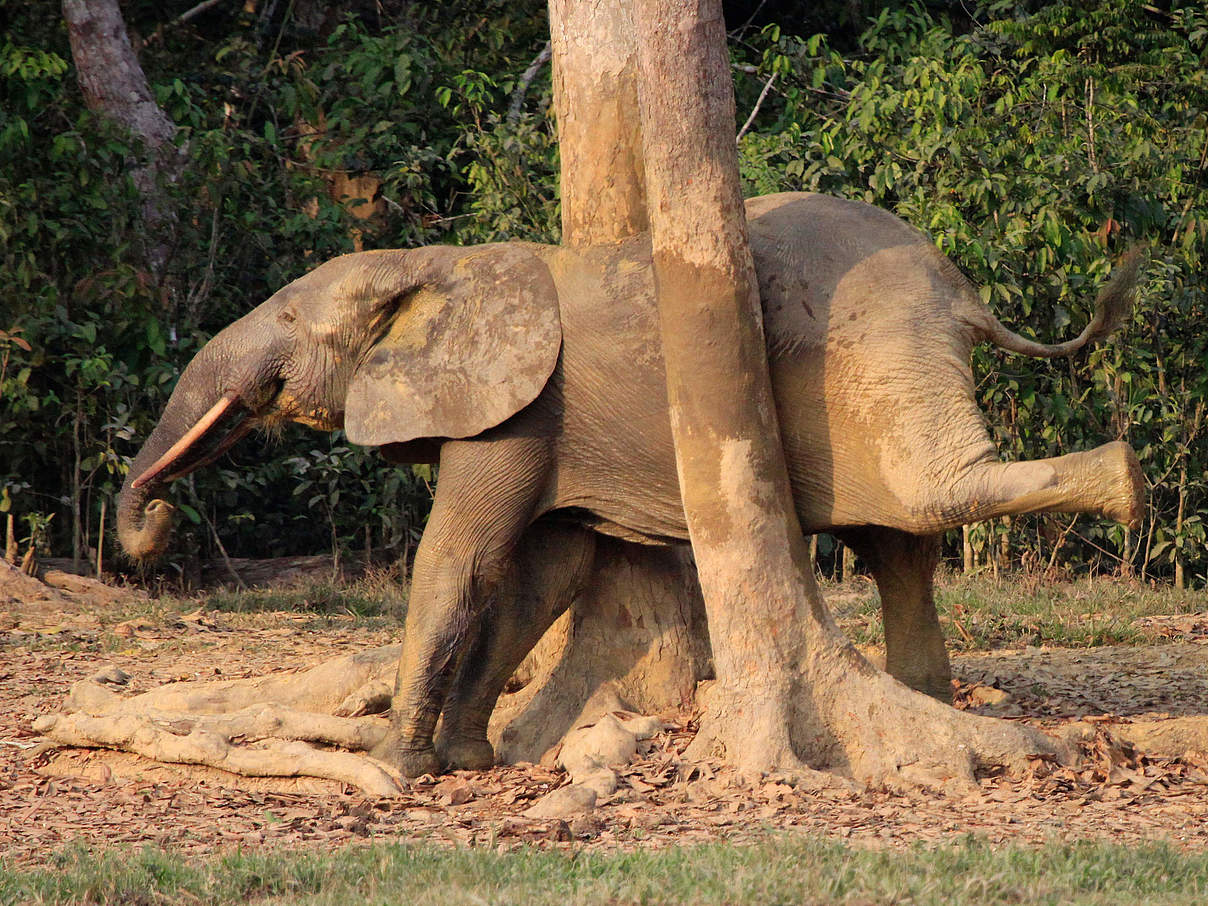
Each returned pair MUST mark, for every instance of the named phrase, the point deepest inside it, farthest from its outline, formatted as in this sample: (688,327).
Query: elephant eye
(287,316)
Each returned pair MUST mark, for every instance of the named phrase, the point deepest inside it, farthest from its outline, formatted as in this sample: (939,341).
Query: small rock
(989,696)
(114,676)
(605,743)
(563,802)
(603,781)
(454,791)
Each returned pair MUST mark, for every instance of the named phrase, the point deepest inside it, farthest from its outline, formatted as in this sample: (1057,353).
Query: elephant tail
(1112,307)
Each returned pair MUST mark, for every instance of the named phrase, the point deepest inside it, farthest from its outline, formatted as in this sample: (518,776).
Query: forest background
(1033,141)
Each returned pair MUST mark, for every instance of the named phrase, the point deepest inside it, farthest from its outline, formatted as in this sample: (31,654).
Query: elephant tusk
(236,435)
(191,437)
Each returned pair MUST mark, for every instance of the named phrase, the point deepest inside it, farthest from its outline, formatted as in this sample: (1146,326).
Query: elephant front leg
(904,568)
(483,504)
(551,566)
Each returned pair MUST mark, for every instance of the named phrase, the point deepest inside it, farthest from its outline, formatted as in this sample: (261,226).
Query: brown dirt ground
(122,800)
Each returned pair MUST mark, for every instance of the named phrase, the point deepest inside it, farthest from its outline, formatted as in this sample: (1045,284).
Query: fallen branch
(184,17)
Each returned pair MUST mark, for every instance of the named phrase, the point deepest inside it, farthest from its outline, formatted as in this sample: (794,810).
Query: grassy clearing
(978,613)
(788,870)
(981,613)
(377,593)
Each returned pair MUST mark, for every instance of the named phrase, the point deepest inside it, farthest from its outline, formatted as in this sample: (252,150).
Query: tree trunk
(113,84)
(790,688)
(599,130)
(1189,434)
(748,545)
(639,624)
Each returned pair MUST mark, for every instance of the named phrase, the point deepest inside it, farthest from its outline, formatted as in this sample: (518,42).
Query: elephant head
(392,346)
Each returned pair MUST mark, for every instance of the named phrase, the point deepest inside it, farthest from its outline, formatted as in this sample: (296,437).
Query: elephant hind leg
(1105,481)
(904,568)
(551,565)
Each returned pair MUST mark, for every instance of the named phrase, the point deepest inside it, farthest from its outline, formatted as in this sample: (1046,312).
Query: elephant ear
(475,338)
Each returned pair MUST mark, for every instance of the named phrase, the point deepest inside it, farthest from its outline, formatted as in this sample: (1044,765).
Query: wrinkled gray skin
(533,374)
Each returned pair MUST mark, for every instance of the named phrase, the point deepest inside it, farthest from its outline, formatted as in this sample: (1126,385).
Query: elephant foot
(1127,504)
(411,761)
(467,754)
(940,690)
(936,684)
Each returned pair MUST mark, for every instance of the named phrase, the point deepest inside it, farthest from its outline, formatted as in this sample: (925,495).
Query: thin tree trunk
(113,84)
(1189,434)
(77,532)
(789,685)
(751,556)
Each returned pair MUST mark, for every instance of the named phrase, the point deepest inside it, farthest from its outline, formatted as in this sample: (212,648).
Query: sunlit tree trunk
(790,688)
(639,624)
(751,556)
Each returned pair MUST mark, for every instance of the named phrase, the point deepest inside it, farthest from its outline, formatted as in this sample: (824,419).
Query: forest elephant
(534,375)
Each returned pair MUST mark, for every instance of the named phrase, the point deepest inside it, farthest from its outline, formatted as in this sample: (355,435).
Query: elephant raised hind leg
(1106,481)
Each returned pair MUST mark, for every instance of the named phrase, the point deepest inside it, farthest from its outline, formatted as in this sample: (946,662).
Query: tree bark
(599,129)
(751,556)
(639,625)
(790,688)
(114,85)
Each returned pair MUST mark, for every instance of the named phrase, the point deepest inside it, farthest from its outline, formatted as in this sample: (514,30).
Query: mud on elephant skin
(533,373)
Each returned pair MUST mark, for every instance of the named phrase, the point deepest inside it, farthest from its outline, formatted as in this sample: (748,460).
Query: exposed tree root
(257,722)
(637,629)
(631,641)
(891,735)
(256,727)
(207,740)
(868,726)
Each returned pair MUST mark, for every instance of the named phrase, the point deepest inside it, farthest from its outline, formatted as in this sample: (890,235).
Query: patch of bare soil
(53,799)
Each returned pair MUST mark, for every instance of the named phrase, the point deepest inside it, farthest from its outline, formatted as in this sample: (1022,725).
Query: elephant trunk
(204,417)
(144,522)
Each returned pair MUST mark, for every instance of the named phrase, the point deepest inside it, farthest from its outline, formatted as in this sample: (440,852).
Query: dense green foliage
(1033,148)
(1033,141)
(268,109)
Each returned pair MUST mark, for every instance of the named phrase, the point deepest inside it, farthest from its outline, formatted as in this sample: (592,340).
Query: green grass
(1015,612)
(376,594)
(782,870)
(978,613)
